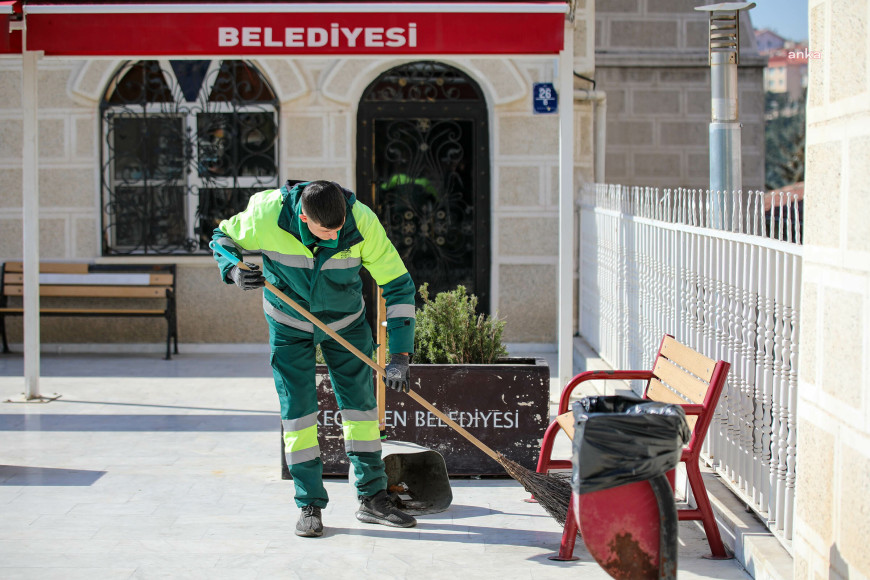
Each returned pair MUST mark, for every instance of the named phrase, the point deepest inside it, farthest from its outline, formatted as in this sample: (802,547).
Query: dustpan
(416,475)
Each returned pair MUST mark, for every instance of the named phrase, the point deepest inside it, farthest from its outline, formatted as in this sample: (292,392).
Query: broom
(551,491)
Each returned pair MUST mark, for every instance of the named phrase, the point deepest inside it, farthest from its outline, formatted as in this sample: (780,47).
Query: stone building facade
(318,100)
(651,60)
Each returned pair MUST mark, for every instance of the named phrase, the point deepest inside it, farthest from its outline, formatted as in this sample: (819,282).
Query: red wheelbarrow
(630,530)
(622,500)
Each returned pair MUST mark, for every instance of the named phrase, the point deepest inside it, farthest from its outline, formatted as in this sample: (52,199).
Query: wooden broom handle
(379,369)
(380,386)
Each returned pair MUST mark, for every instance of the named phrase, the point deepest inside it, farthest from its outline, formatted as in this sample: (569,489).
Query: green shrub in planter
(450,332)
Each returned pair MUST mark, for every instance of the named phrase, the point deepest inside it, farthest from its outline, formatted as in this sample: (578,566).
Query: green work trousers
(293,366)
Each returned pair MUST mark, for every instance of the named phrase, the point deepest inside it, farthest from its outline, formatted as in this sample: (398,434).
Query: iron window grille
(186,143)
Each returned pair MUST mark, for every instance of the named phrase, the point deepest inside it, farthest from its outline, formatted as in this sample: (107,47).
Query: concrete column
(565,323)
(30,161)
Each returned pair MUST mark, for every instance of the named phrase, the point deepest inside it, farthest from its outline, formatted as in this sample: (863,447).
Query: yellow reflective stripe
(244,227)
(302,439)
(381,258)
(360,430)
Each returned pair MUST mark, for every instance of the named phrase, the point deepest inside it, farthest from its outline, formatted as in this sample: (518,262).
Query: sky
(788,18)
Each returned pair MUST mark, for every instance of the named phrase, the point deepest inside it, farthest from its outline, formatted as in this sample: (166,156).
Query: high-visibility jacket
(321,275)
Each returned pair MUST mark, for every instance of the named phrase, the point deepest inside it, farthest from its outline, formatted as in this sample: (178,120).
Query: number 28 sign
(545,98)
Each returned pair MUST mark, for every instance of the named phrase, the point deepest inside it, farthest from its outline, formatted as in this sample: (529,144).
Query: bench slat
(688,358)
(94,291)
(659,392)
(679,380)
(566,422)
(95,279)
(52,267)
(161,279)
(86,311)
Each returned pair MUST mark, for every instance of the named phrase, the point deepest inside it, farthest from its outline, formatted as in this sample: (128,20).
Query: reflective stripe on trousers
(300,439)
(361,430)
(294,367)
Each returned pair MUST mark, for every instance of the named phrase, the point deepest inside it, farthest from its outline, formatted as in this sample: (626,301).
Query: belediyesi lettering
(476,419)
(335,37)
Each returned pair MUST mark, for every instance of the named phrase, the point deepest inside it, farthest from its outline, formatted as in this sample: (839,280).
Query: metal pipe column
(565,322)
(30,190)
(725,159)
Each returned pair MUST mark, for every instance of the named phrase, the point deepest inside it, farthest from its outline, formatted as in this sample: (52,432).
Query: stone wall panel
(528,302)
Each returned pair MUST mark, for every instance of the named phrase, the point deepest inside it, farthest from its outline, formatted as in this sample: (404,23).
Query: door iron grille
(424,169)
(186,144)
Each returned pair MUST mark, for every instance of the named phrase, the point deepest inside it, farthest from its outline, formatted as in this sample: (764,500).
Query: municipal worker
(314,237)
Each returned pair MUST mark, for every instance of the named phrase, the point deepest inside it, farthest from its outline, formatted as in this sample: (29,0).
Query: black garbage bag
(620,440)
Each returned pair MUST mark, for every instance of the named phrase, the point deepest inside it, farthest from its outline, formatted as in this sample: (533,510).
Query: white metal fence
(650,265)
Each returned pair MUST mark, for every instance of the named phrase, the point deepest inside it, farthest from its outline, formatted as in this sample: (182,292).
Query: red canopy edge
(236,6)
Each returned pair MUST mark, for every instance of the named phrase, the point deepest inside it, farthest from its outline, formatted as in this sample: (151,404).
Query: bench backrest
(684,376)
(93,280)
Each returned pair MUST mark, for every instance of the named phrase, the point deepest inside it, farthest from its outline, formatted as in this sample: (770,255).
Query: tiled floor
(146,468)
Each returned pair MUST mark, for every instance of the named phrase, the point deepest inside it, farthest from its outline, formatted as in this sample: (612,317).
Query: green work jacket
(321,275)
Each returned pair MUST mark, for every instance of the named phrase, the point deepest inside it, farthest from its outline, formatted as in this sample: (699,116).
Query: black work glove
(247,279)
(398,373)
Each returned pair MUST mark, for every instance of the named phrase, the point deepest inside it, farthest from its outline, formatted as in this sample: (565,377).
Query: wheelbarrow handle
(359,354)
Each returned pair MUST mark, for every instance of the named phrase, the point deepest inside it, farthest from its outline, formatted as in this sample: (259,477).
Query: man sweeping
(314,237)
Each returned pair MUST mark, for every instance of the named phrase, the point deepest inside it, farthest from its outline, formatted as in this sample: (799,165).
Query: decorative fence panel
(650,264)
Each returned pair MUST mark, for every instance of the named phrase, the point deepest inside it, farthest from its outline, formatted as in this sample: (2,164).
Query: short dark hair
(323,202)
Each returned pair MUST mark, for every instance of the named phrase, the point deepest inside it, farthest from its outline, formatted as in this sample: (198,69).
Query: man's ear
(303,217)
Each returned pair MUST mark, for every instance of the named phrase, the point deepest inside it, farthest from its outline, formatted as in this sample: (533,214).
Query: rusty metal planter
(505,405)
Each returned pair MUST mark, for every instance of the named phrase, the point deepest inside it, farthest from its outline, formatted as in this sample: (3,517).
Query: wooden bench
(679,376)
(114,283)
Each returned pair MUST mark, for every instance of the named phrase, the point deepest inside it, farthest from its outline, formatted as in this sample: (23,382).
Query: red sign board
(294,29)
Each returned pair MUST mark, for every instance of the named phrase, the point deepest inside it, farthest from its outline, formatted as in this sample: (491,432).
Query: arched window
(186,143)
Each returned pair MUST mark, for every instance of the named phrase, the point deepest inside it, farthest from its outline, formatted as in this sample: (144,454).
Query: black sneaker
(379,509)
(309,525)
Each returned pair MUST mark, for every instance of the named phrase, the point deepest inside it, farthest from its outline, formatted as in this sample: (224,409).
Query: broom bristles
(552,491)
